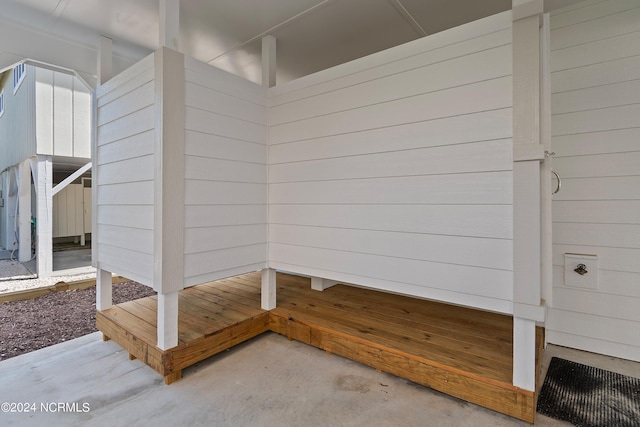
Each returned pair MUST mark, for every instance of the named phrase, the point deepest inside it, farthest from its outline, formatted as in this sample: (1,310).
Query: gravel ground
(32,324)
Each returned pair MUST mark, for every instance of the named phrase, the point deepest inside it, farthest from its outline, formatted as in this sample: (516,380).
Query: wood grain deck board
(459,351)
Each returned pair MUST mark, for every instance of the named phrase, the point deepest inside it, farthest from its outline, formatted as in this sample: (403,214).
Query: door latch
(581,270)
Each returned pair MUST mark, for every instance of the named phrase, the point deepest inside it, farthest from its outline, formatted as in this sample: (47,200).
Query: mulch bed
(29,325)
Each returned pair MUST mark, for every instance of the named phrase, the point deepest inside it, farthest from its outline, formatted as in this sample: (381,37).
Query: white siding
(17,124)
(595,62)
(395,171)
(63,115)
(225,174)
(125,173)
(68,211)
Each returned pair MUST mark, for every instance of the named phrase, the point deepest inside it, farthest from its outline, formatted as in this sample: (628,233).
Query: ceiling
(311,34)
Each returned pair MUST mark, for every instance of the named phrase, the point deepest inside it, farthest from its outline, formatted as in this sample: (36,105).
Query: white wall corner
(169,171)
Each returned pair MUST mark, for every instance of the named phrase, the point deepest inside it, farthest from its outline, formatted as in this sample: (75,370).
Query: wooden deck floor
(459,351)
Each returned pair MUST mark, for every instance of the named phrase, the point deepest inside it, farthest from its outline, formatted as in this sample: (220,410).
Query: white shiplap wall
(18,123)
(395,171)
(63,114)
(125,172)
(225,174)
(68,211)
(595,62)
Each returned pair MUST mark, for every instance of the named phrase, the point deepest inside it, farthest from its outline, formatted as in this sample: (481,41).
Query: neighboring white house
(45,136)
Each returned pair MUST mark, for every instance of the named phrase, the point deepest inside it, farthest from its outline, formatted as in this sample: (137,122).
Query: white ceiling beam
(170,24)
(397,4)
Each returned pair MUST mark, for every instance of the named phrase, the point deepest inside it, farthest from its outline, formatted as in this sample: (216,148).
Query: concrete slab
(13,270)
(72,260)
(268,381)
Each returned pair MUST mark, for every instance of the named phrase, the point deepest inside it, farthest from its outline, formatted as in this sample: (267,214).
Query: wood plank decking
(459,351)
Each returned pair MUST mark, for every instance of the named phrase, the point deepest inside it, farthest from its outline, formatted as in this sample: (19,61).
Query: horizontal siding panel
(206,99)
(595,327)
(206,239)
(204,168)
(131,264)
(127,171)
(623,351)
(219,147)
(588,10)
(604,212)
(135,193)
(206,75)
(598,165)
(621,283)
(610,95)
(444,40)
(134,239)
(138,122)
(614,259)
(475,67)
(479,188)
(454,278)
(483,96)
(124,82)
(598,28)
(208,262)
(127,216)
(614,141)
(142,144)
(609,72)
(224,193)
(612,118)
(480,302)
(410,61)
(609,188)
(128,103)
(610,235)
(216,124)
(453,220)
(484,126)
(476,157)
(597,303)
(488,253)
(609,49)
(222,274)
(224,215)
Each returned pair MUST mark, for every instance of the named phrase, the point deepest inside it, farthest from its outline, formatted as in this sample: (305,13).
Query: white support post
(528,152)
(10,203)
(105,60)
(169,175)
(320,284)
(167,320)
(24,211)
(268,61)
(268,291)
(105,72)
(44,215)
(170,24)
(104,286)
(524,353)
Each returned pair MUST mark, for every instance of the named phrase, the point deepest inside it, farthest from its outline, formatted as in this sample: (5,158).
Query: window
(18,76)
(1,103)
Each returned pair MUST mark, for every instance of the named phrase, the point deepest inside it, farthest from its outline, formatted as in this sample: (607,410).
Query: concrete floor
(268,381)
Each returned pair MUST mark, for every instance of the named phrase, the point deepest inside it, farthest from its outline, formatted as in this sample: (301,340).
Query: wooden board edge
(516,403)
(192,352)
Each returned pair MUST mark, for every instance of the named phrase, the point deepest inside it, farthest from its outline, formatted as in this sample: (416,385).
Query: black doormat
(589,397)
